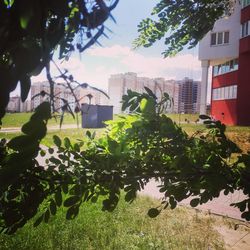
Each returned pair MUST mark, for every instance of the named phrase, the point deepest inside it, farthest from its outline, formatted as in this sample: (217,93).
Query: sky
(96,64)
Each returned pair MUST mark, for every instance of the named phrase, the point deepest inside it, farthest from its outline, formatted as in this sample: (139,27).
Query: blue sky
(96,64)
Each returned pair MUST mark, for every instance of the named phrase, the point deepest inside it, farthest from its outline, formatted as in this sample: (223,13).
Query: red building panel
(245,14)
(226,79)
(225,111)
(245,44)
(243,93)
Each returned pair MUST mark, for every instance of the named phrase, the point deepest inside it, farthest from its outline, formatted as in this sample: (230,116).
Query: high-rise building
(14,104)
(60,93)
(189,96)
(84,95)
(120,83)
(226,48)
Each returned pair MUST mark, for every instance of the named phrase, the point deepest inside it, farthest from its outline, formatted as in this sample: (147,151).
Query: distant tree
(181,23)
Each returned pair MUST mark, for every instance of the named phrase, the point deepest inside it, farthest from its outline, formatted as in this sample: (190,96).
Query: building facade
(120,83)
(60,92)
(226,49)
(84,95)
(189,96)
(16,105)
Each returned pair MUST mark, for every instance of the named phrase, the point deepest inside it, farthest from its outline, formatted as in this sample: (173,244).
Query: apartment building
(60,92)
(120,83)
(16,105)
(84,95)
(189,96)
(226,48)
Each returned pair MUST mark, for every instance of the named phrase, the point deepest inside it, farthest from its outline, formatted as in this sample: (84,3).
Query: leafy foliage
(143,145)
(31,31)
(181,23)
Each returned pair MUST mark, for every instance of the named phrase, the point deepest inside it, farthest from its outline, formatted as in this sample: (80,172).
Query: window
(225,67)
(213,39)
(225,93)
(245,29)
(234,91)
(245,3)
(226,37)
(219,38)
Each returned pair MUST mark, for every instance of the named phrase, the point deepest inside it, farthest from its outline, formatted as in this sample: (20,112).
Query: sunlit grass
(18,119)
(239,134)
(128,227)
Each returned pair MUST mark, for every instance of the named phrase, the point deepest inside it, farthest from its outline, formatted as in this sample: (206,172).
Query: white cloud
(99,63)
(131,60)
(114,51)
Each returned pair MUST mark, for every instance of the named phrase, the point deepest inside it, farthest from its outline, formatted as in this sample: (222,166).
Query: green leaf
(42,112)
(153,212)
(58,198)
(204,117)
(71,201)
(147,105)
(51,150)
(130,196)
(112,146)
(195,202)
(42,153)
(25,84)
(72,212)
(54,160)
(150,92)
(88,134)
(57,141)
(46,216)
(23,143)
(35,128)
(52,207)
(67,143)
(172,202)
(38,221)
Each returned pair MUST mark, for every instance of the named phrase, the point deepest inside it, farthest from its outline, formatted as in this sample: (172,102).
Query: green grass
(127,228)
(240,135)
(18,119)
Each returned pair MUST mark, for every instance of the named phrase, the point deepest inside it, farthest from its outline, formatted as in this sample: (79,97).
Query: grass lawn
(128,227)
(240,135)
(18,119)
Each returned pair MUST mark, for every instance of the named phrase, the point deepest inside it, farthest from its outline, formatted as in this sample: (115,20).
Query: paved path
(219,206)
(52,127)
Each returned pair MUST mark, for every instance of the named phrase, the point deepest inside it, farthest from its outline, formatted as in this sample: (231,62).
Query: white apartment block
(62,92)
(120,83)
(16,105)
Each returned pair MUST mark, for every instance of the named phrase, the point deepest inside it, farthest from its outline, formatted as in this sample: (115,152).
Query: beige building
(120,83)
(16,105)
(62,92)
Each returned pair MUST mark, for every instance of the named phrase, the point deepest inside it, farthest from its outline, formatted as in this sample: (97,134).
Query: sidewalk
(218,206)
(233,239)
(52,127)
